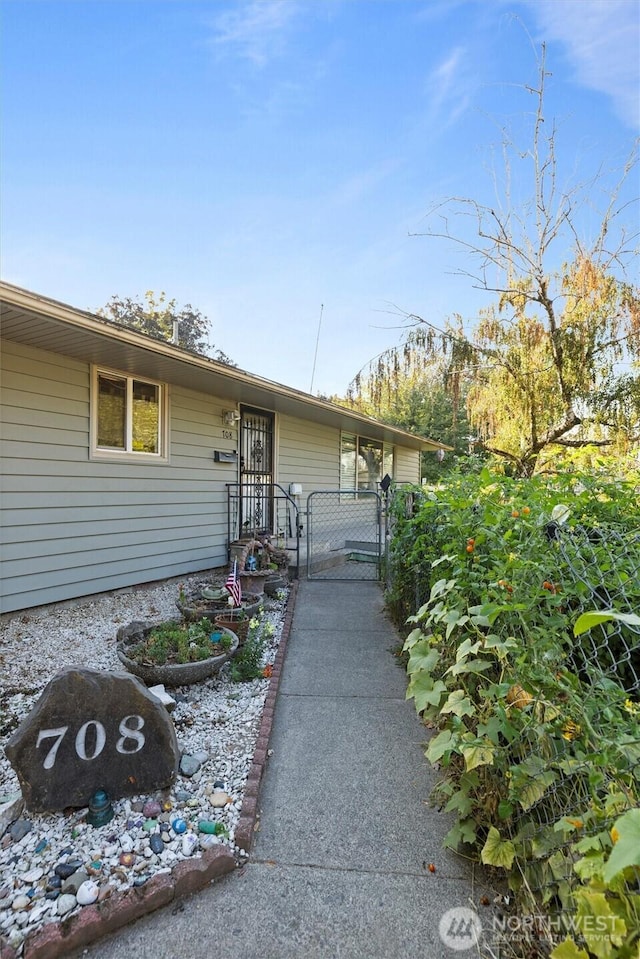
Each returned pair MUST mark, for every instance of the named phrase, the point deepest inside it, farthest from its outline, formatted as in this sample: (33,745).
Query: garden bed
(217,723)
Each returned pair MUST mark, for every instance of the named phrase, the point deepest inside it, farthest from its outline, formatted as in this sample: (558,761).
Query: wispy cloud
(448,87)
(602,38)
(362,184)
(256,30)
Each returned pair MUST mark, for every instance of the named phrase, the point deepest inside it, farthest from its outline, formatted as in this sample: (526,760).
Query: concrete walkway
(339,867)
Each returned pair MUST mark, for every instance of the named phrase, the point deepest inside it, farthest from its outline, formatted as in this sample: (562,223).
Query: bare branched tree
(544,364)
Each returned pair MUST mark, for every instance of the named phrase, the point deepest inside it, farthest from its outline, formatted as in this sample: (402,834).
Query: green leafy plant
(534,731)
(247,663)
(607,900)
(176,642)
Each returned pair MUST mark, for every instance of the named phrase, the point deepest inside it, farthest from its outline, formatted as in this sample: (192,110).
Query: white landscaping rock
(216,720)
(10,810)
(160,693)
(65,903)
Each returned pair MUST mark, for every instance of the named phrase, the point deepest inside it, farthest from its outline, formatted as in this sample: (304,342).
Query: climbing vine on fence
(536,725)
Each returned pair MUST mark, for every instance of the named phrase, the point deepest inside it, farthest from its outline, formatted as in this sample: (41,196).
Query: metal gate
(344,535)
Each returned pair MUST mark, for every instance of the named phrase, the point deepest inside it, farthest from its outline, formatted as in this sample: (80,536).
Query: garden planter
(169,674)
(253,582)
(232,622)
(253,564)
(194,609)
(238,547)
(274,584)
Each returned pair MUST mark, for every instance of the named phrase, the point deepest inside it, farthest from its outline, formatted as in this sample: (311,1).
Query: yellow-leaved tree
(552,362)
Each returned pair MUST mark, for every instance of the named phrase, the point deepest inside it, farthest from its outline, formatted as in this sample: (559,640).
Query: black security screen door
(256,471)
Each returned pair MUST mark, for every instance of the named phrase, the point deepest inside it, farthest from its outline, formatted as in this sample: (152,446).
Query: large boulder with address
(93,730)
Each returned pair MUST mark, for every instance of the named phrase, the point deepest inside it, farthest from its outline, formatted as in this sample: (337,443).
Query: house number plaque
(93,730)
(100,739)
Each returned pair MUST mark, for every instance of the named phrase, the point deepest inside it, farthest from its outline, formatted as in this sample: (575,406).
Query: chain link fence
(576,784)
(344,535)
(604,565)
(599,568)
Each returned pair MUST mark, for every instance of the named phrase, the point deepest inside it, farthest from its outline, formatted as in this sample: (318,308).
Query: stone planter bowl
(232,622)
(195,609)
(171,674)
(253,582)
(274,584)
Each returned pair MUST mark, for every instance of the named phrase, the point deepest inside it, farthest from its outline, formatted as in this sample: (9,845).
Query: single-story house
(119,452)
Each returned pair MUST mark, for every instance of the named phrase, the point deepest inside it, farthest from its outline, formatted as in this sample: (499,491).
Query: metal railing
(264,510)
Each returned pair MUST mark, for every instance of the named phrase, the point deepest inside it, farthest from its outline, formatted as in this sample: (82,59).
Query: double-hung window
(128,416)
(363,462)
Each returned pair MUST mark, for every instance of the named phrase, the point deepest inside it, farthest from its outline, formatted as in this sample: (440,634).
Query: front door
(256,471)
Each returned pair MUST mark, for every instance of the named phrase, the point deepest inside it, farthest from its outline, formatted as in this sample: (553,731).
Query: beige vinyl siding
(71,526)
(308,454)
(407,465)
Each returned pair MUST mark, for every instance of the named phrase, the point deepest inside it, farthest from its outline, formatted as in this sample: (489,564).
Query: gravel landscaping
(45,859)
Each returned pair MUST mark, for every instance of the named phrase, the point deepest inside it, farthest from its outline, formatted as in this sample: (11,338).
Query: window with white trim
(363,462)
(128,416)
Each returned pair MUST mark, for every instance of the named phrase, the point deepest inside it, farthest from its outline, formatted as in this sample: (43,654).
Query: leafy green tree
(411,395)
(543,364)
(161,319)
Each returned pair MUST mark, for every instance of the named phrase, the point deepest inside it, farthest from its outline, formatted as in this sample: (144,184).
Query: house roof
(47,324)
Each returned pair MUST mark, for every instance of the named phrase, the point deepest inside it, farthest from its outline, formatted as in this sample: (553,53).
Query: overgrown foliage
(161,318)
(536,725)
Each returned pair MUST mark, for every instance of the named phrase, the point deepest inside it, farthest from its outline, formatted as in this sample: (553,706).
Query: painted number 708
(129,729)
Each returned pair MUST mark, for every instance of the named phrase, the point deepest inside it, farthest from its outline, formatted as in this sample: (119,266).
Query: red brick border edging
(249,813)
(57,939)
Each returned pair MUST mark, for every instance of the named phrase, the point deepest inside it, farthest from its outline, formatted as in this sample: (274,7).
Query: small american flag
(233,586)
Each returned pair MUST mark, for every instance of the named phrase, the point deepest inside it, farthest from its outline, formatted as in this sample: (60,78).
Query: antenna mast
(315,355)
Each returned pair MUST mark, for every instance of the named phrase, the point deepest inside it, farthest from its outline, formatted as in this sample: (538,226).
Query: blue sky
(269,160)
